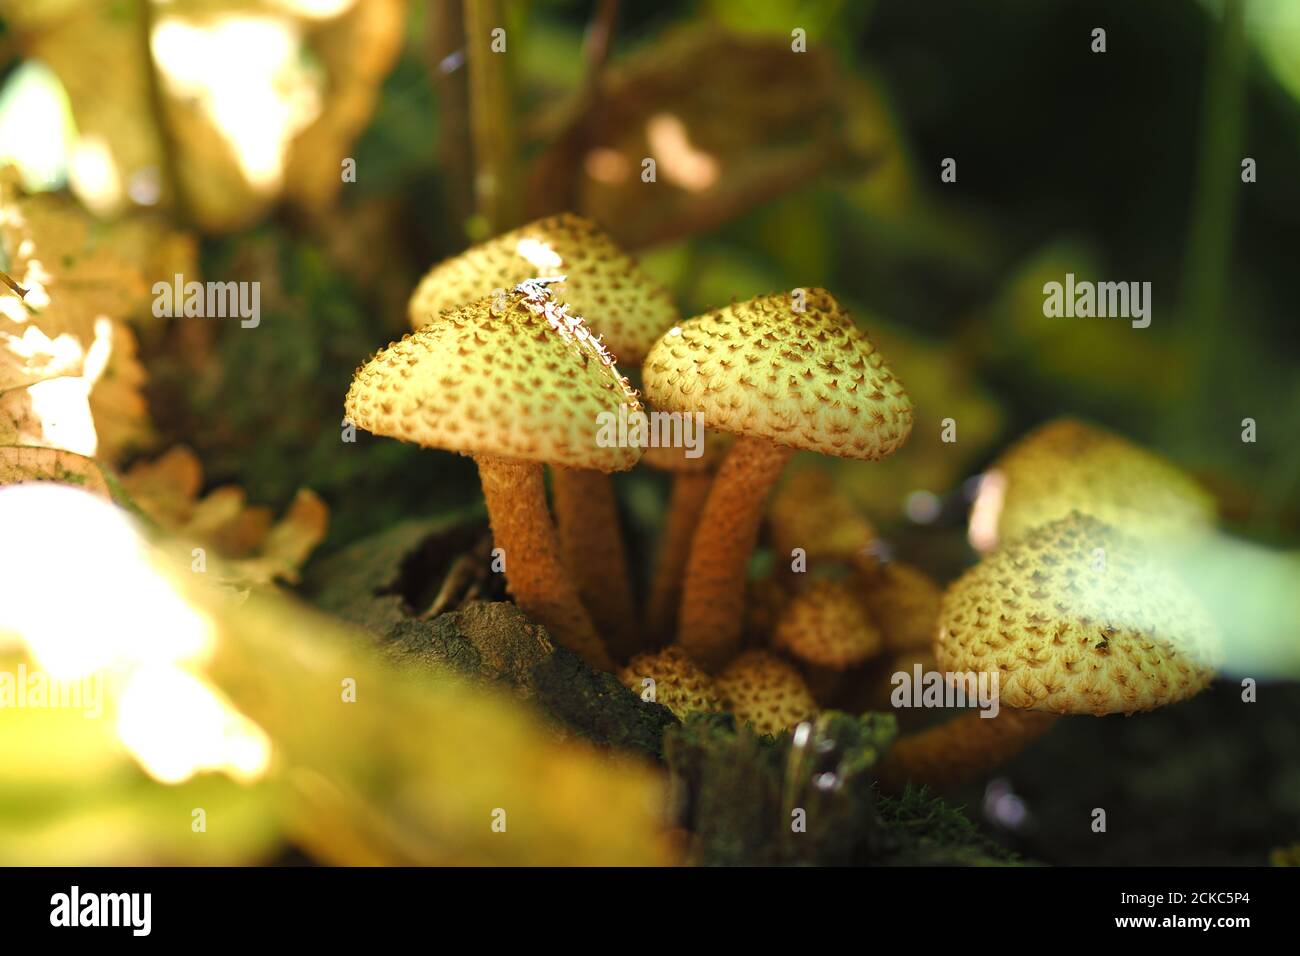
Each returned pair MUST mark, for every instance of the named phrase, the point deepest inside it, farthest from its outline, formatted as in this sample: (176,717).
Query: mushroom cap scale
(807,379)
(622,304)
(515,376)
(1077,618)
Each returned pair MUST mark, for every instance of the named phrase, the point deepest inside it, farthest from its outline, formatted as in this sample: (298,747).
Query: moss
(598,706)
(925,829)
(753,800)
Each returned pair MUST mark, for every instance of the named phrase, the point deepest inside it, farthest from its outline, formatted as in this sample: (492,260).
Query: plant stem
(492,119)
(1205,275)
(445,52)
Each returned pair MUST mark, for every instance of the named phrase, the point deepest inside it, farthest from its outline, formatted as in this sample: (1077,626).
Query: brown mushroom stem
(712,615)
(591,547)
(521,526)
(690,491)
(956,751)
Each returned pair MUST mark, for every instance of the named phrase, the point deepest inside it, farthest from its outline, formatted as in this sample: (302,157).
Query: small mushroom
(827,629)
(780,378)
(826,625)
(679,683)
(809,512)
(761,689)
(627,311)
(903,601)
(1073,618)
(513,383)
(1068,464)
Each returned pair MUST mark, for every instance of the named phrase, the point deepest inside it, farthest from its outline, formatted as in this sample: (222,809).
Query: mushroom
(1073,618)
(826,627)
(809,512)
(1068,464)
(761,689)
(692,478)
(513,382)
(679,683)
(779,378)
(627,310)
(902,600)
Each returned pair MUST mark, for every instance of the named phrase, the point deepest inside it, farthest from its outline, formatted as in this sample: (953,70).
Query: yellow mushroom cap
(622,304)
(1078,618)
(806,379)
(827,626)
(904,603)
(808,511)
(680,684)
(1067,464)
(762,689)
(515,376)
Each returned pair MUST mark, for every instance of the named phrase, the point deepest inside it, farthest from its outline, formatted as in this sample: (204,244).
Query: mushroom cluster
(513,362)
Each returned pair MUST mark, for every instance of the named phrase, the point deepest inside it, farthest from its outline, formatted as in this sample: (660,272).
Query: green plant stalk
(492,119)
(1214,209)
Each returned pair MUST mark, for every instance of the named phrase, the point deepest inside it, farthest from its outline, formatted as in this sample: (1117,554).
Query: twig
(19,290)
(600,36)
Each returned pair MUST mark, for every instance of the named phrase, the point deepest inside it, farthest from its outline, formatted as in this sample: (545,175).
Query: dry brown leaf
(289,542)
(259,550)
(19,464)
(166,488)
(69,375)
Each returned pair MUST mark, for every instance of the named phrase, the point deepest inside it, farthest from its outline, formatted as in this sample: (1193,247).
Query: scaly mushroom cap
(827,626)
(760,688)
(680,685)
(809,512)
(620,302)
(1077,618)
(904,603)
(1067,465)
(515,376)
(809,379)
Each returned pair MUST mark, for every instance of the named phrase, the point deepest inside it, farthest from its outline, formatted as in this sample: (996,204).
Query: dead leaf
(257,550)
(19,464)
